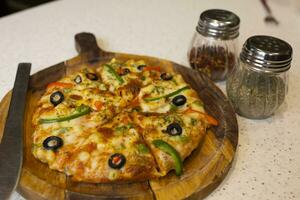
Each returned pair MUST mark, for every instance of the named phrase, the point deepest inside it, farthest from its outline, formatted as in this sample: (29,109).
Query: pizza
(121,121)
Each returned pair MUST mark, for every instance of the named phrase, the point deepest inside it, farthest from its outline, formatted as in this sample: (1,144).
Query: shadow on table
(11,6)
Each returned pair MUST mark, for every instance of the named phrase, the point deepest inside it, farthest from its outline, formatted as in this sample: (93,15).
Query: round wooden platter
(204,169)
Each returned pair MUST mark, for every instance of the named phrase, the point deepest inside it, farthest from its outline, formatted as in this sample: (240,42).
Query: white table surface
(267,163)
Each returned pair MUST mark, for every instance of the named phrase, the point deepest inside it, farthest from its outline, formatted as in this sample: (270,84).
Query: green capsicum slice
(79,111)
(167,148)
(167,95)
(114,73)
(143,149)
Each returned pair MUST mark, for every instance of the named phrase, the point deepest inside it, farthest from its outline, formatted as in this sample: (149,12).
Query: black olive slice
(166,76)
(53,143)
(141,67)
(174,129)
(124,72)
(179,100)
(117,161)
(92,76)
(78,79)
(56,98)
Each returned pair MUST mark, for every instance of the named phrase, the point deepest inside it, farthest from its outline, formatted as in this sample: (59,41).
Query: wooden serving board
(203,170)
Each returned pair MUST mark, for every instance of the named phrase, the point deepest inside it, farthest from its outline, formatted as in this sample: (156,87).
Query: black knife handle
(11,147)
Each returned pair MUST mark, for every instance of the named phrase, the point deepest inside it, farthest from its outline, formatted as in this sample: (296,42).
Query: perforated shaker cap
(218,23)
(267,53)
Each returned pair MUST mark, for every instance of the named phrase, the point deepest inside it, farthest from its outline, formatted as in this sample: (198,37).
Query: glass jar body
(256,94)
(212,56)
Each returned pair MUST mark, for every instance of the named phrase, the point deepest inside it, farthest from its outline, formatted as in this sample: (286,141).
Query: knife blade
(11,146)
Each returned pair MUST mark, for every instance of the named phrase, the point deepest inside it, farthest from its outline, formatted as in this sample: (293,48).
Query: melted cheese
(90,140)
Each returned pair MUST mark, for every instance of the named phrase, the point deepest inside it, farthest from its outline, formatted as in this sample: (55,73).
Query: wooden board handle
(86,42)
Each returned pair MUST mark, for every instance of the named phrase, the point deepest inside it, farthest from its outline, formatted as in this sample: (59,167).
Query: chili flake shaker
(259,83)
(213,49)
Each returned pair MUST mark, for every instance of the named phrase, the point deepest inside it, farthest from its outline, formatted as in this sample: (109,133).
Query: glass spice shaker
(259,83)
(213,49)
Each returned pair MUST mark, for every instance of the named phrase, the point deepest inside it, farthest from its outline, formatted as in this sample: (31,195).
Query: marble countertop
(267,163)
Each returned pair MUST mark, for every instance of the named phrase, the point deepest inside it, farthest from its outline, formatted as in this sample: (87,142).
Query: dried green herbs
(258,84)
(255,95)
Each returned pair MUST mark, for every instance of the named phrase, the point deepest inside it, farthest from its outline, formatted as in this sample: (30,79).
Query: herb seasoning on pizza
(121,122)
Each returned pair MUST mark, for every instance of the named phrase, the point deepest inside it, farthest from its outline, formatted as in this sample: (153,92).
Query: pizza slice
(172,134)
(171,137)
(87,152)
(113,152)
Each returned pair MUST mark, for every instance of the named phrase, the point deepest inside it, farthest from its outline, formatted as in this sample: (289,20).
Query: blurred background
(11,6)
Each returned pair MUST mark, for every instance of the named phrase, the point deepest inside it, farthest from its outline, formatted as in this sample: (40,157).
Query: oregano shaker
(258,84)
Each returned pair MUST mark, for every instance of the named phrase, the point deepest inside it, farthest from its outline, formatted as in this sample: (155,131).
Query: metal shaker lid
(221,24)
(267,53)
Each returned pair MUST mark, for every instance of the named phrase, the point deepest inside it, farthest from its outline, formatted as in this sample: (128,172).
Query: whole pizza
(124,121)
